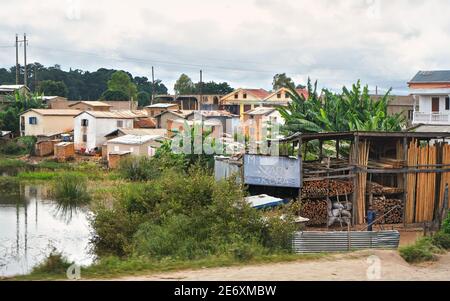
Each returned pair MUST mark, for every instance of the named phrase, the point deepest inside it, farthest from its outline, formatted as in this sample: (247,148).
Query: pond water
(32,225)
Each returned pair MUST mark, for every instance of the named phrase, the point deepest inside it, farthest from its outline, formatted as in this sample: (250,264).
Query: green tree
(53,88)
(121,81)
(143,99)
(184,85)
(281,80)
(114,95)
(214,88)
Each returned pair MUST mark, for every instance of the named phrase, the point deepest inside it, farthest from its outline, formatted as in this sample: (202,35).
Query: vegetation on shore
(427,248)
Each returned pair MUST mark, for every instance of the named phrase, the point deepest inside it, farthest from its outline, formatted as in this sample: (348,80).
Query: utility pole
(35,77)
(153,84)
(201,90)
(25,75)
(17,59)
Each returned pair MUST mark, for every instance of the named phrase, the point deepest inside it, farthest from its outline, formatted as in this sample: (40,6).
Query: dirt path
(352,266)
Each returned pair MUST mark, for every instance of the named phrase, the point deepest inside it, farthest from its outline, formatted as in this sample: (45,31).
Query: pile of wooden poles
(445,177)
(413,150)
(323,188)
(425,190)
(362,160)
(381,205)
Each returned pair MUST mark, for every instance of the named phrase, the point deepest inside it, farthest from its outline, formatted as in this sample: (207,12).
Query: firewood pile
(381,205)
(316,211)
(378,189)
(323,212)
(320,189)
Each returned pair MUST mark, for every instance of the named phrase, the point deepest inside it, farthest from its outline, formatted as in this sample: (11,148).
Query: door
(435,104)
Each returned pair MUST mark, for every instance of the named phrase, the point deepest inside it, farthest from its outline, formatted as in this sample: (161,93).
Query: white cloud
(243,42)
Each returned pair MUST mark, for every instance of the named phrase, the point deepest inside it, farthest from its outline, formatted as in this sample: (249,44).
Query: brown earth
(352,267)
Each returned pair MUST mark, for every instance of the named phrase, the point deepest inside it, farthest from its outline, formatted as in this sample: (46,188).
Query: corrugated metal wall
(315,241)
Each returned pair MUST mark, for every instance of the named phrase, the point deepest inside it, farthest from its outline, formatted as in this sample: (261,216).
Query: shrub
(446,225)
(138,169)
(422,250)
(442,240)
(70,190)
(19,146)
(55,263)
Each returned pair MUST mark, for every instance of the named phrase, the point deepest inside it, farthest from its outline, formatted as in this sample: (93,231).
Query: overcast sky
(242,42)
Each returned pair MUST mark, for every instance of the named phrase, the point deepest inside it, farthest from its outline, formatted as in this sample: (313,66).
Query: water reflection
(31,224)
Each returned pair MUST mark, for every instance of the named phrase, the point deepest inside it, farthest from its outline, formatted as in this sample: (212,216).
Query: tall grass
(70,190)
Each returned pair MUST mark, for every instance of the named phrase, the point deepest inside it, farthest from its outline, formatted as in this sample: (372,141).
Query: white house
(91,127)
(431,93)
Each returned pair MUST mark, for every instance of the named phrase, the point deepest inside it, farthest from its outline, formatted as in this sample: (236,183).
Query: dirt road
(354,266)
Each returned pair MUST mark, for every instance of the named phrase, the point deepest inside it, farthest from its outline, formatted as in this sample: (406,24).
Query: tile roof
(438,76)
(260,93)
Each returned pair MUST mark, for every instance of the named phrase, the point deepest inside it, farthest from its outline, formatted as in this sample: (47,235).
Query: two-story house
(431,93)
(91,127)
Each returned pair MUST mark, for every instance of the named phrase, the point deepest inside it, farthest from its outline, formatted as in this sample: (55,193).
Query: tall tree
(184,85)
(121,82)
(52,88)
(214,88)
(281,80)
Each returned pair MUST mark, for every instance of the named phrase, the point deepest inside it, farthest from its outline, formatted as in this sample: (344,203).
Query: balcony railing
(431,118)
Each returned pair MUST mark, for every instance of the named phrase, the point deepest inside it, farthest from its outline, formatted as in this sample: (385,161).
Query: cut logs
(381,205)
(316,211)
(320,189)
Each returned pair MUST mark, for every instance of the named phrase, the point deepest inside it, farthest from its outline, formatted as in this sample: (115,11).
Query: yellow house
(243,100)
(46,122)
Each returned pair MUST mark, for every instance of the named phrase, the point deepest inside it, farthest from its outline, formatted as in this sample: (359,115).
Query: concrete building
(242,100)
(431,93)
(193,101)
(228,120)
(400,104)
(134,145)
(164,117)
(91,127)
(158,108)
(46,122)
(259,118)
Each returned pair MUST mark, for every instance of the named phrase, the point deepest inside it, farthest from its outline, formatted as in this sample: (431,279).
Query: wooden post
(299,156)
(320,149)
(338,142)
(355,178)
(405,179)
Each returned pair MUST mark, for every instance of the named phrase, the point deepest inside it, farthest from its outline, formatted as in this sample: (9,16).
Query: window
(116,148)
(447,103)
(245,95)
(236,96)
(32,120)
(84,138)
(410,114)
(84,122)
(119,123)
(286,95)
(279,95)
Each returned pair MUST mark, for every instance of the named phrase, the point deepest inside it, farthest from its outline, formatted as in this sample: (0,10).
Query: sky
(243,42)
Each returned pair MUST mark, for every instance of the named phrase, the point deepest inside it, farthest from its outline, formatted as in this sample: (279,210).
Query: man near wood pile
(370,218)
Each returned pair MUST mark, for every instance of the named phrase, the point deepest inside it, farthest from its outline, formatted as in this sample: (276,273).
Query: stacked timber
(360,155)
(324,188)
(413,149)
(316,211)
(445,177)
(377,189)
(425,190)
(381,205)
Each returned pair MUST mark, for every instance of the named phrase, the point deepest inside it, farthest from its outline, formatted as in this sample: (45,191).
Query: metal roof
(92,103)
(260,111)
(162,105)
(438,76)
(126,114)
(264,201)
(11,88)
(133,139)
(54,112)
(213,113)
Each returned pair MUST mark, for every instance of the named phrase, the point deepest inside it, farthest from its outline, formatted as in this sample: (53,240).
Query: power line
(170,63)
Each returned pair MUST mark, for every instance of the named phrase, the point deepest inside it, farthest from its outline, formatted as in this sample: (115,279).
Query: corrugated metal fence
(315,241)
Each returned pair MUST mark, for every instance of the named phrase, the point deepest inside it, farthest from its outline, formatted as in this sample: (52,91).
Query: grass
(113,267)
(11,162)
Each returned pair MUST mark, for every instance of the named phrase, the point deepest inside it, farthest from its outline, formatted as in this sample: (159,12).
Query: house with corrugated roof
(9,90)
(431,93)
(46,122)
(259,118)
(91,127)
(90,106)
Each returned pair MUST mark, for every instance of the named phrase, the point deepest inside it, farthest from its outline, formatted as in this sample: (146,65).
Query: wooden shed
(45,147)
